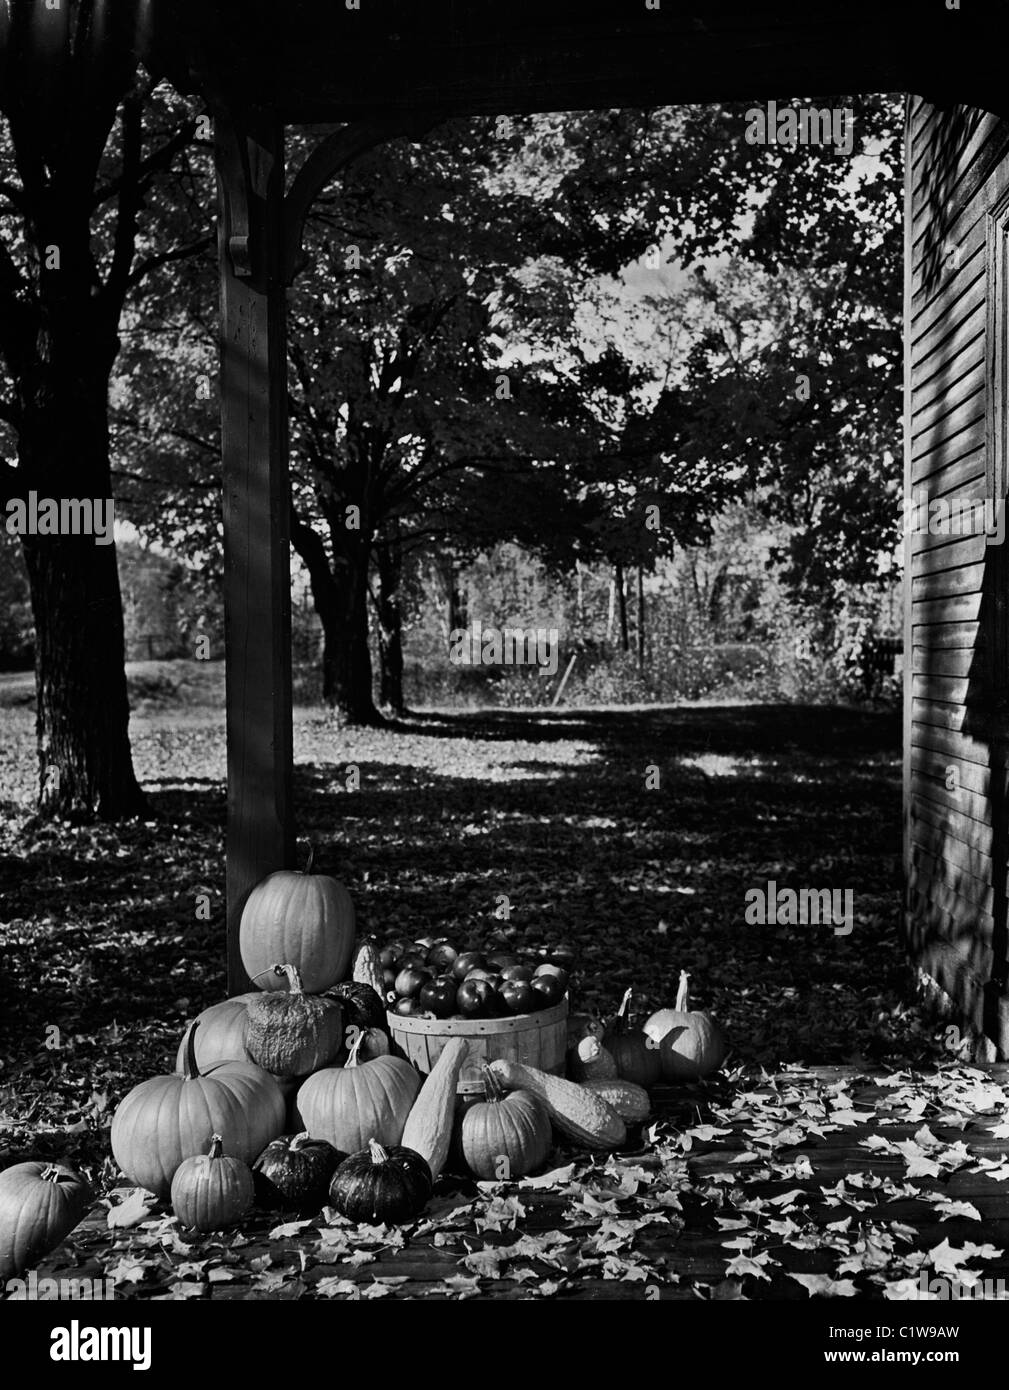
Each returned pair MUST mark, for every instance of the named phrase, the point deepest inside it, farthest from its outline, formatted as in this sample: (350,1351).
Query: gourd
(295,1171)
(304,918)
(590,1061)
(635,1053)
(691,1044)
(629,1101)
(575,1111)
(295,1033)
(381,1184)
(170,1118)
(40,1204)
(582,1026)
(210,1191)
(362,1007)
(505,1135)
(367,969)
(350,1105)
(429,1125)
(224,1029)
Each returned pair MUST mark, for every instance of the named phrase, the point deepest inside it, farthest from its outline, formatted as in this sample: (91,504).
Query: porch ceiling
(316,61)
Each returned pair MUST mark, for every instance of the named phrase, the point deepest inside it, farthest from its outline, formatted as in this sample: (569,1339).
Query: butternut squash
(629,1101)
(590,1061)
(575,1110)
(429,1124)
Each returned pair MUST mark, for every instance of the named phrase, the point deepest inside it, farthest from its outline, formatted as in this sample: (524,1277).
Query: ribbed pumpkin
(691,1044)
(171,1118)
(304,918)
(381,1184)
(506,1135)
(362,1007)
(295,1171)
(636,1054)
(210,1191)
(222,1033)
(40,1204)
(348,1106)
(295,1033)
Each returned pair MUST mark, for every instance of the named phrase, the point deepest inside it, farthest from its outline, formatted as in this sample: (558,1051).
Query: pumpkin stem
(191,1069)
(300,1140)
(492,1086)
(682,1005)
(294,984)
(378,1154)
(355,1048)
(51,1173)
(216,1146)
(310,860)
(620,1019)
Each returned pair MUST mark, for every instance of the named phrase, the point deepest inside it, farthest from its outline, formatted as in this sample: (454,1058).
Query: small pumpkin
(40,1204)
(362,1006)
(381,1184)
(304,918)
(295,1171)
(295,1033)
(350,1105)
(636,1054)
(506,1135)
(170,1118)
(223,1032)
(691,1044)
(367,968)
(210,1191)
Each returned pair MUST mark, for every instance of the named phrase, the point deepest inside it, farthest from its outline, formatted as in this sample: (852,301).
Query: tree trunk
(82,721)
(390,626)
(625,643)
(641,620)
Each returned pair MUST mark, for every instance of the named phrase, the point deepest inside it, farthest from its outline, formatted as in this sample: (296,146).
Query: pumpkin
(304,918)
(636,1054)
(295,1171)
(381,1184)
(362,1007)
(223,1033)
(590,1061)
(295,1033)
(374,1043)
(368,968)
(40,1204)
(210,1191)
(506,1135)
(170,1118)
(691,1044)
(429,1125)
(350,1105)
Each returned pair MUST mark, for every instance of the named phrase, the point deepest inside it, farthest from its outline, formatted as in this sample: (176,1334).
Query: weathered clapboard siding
(955,780)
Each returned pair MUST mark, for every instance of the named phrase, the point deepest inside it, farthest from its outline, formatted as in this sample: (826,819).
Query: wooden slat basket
(537,1039)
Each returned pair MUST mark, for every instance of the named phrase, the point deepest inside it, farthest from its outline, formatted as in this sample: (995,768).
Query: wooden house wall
(957,224)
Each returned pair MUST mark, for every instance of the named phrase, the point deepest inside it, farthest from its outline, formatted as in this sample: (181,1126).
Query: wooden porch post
(249,151)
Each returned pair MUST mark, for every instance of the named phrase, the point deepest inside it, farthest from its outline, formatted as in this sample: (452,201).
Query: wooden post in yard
(249,153)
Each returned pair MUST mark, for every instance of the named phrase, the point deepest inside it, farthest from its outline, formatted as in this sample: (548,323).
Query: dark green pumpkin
(380,1185)
(295,1171)
(362,1007)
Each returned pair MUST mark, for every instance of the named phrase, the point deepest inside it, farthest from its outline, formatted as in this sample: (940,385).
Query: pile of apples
(435,979)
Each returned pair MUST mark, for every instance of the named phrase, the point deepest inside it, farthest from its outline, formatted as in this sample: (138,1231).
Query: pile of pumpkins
(291,1096)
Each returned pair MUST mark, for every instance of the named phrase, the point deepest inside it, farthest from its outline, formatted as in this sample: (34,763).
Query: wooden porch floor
(830,1172)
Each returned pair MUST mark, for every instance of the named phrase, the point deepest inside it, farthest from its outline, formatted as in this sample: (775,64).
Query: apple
(519,997)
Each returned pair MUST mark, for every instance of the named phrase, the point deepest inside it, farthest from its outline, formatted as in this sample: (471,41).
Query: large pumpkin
(295,1033)
(40,1203)
(304,919)
(171,1118)
(222,1033)
(351,1105)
